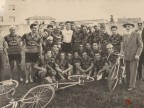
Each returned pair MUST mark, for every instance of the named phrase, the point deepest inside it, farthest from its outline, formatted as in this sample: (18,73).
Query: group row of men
(63,49)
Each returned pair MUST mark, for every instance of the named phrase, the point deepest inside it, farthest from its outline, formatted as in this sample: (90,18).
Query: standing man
(12,50)
(33,50)
(1,54)
(132,47)
(141,60)
(116,39)
(67,38)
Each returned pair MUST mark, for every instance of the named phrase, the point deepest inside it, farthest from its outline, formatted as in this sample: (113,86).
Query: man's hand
(83,71)
(44,69)
(136,57)
(53,72)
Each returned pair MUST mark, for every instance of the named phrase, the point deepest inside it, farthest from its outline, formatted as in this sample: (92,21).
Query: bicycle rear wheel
(7,86)
(113,77)
(80,77)
(38,97)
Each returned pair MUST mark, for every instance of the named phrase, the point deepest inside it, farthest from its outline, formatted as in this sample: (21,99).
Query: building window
(1,18)
(12,7)
(12,18)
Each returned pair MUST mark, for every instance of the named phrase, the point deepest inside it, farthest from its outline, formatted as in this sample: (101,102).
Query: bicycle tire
(80,77)
(38,97)
(7,86)
(8,106)
(113,77)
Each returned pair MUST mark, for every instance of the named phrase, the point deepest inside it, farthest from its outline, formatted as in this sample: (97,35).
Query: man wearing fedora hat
(132,47)
(141,61)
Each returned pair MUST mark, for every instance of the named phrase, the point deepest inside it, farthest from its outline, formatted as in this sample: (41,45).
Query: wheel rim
(7,86)
(80,77)
(112,84)
(38,97)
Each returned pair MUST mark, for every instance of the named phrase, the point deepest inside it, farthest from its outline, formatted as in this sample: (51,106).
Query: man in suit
(141,61)
(132,47)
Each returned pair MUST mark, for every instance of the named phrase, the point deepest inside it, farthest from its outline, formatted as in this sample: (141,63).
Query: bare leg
(18,63)
(27,72)
(11,68)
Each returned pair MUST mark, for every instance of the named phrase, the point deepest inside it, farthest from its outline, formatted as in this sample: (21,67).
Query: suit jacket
(132,46)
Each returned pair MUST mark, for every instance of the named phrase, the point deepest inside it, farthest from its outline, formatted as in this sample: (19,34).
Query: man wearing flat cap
(141,61)
(132,47)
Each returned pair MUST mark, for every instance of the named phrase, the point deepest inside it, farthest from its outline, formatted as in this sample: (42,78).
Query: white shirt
(67,35)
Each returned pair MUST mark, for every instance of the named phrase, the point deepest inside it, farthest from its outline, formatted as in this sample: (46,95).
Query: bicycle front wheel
(113,77)
(7,86)
(38,97)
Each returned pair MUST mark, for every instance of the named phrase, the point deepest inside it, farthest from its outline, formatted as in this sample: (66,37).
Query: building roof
(40,18)
(124,20)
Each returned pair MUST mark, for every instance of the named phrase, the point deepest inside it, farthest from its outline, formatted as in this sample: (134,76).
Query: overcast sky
(84,9)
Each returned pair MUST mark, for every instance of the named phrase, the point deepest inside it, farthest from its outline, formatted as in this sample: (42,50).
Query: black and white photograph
(71,54)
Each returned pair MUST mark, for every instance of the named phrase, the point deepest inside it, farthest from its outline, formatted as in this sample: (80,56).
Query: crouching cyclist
(110,60)
(46,68)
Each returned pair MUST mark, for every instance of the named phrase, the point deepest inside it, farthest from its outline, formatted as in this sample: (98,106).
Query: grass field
(90,95)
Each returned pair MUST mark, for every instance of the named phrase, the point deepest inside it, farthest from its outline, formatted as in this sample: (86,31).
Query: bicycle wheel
(38,97)
(113,77)
(80,77)
(7,86)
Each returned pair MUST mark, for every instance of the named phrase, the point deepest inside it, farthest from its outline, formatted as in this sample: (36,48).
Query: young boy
(64,68)
(46,67)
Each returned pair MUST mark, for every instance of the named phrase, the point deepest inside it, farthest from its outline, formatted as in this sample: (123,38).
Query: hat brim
(128,24)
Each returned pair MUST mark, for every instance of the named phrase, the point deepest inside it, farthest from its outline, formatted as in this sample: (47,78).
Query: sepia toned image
(71,54)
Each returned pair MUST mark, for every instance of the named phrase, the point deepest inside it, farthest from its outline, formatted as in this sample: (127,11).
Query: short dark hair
(113,27)
(49,26)
(32,25)
(61,23)
(67,22)
(72,22)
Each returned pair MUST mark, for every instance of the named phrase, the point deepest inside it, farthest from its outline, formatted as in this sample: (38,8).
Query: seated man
(85,67)
(55,51)
(46,67)
(63,68)
(100,66)
(81,49)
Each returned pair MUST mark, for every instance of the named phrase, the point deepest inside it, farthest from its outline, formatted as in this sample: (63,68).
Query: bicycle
(116,73)
(40,96)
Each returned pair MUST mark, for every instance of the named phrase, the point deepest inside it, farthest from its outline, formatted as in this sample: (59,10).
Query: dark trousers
(131,73)
(1,64)
(141,67)
(66,47)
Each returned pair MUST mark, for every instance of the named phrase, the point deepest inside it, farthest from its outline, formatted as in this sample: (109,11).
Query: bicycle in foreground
(41,95)
(117,73)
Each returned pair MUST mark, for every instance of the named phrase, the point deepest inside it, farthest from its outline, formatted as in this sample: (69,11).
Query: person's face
(110,50)
(12,31)
(52,23)
(102,30)
(81,47)
(84,29)
(69,56)
(140,27)
(97,57)
(88,46)
(0,29)
(114,31)
(48,54)
(76,55)
(62,26)
(68,26)
(73,26)
(84,55)
(128,27)
(96,28)
(58,28)
(62,56)
(50,41)
(95,46)
(34,29)
(50,29)
(55,47)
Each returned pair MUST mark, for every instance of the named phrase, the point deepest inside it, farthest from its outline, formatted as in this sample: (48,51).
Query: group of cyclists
(58,50)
